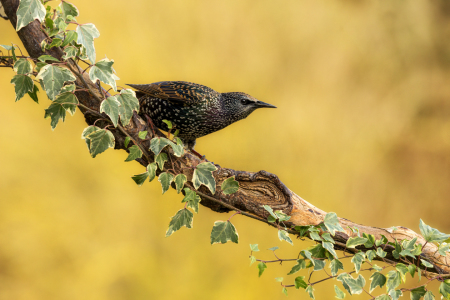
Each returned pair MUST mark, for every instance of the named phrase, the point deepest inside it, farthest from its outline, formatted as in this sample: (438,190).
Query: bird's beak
(263,104)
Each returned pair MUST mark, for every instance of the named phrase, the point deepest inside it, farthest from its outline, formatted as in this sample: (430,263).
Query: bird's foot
(152,126)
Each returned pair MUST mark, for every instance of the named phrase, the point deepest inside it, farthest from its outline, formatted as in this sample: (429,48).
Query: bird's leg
(202,157)
(152,126)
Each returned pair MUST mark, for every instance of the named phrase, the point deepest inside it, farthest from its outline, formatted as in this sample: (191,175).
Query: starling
(194,109)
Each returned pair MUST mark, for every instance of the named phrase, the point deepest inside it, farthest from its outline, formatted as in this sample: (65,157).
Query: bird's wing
(179,92)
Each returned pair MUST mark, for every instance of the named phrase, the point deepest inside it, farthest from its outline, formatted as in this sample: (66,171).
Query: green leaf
(157,144)
(355,285)
(254,247)
(229,186)
(54,78)
(444,289)
(135,152)
(282,216)
(178,149)
(142,134)
(395,294)
(87,131)
(331,222)
(169,124)
(99,141)
(140,178)
(183,217)
(68,9)
(86,35)
(315,236)
(160,159)
(283,235)
(270,210)
(261,267)
(444,247)
(318,264)
(377,279)
(301,264)
(224,231)
(383,297)
(273,248)
(110,106)
(55,43)
(70,36)
(7,47)
(68,88)
(370,240)
(23,66)
(192,199)
(393,280)
(431,234)
(103,71)
(203,175)
(377,268)
(151,169)
(418,293)
(300,282)
(70,52)
(22,85)
(279,279)
(428,296)
(327,237)
(329,246)
(339,294)
(412,270)
(371,254)
(28,11)
(335,266)
(284,290)
(355,241)
(127,141)
(33,94)
(403,270)
(381,241)
(57,110)
(252,260)
(44,58)
(180,180)
(357,260)
(342,278)
(426,263)
(165,179)
(39,66)
(381,252)
(310,291)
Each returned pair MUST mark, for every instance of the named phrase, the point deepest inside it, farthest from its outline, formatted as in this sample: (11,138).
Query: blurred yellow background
(362,128)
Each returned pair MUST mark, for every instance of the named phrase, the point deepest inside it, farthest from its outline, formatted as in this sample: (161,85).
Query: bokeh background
(362,128)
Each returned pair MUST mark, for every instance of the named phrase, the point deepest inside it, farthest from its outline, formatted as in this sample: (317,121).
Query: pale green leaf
(331,222)
(395,294)
(381,252)
(86,132)
(431,234)
(444,289)
(403,270)
(270,210)
(335,266)
(70,52)
(428,296)
(165,179)
(339,294)
(135,152)
(142,134)
(301,264)
(99,141)
(57,110)
(70,36)
(426,263)
(180,180)
(300,282)
(355,241)
(318,264)
(110,106)
(44,58)
(53,78)
(222,232)
(22,85)
(279,279)
(357,260)
(86,35)
(203,175)
(377,279)
(157,144)
(56,42)
(151,169)
(178,149)
(355,285)
(371,254)
(330,248)
(28,11)
(68,9)
(393,280)
(284,290)
(229,186)
(252,260)
(160,159)
(254,247)
(191,198)
(103,71)
(22,66)
(310,291)
(283,235)
(183,217)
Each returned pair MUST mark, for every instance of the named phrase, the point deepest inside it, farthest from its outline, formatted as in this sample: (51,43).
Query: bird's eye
(245,101)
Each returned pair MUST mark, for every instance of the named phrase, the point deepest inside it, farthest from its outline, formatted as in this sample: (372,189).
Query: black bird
(194,109)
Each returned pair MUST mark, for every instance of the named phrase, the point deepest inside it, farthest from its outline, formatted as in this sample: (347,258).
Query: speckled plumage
(194,109)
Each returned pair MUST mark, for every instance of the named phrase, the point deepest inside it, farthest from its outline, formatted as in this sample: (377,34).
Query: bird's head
(239,105)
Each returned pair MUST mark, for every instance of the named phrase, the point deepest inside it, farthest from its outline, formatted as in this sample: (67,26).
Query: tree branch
(256,189)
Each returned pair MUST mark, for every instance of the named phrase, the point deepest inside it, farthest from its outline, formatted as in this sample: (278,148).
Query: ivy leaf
(151,169)
(357,260)
(254,247)
(103,71)
(395,294)
(229,186)
(318,264)
(355,285)
(270,210)
(33,94)
(444,247)
(86,35)
(22,85)
(261,267)
(444,288)
(428,296)
(412,270)
(355,241)
(142,134)
(23,66)
(28,11)
(279,279)
(431,234)
(55,43)
(329,246)
(224,231)
(342,278)
(192,199)
(180,180)
(70,52)
(99,141)
(383,297)
(381,252)
(8,47)
(371,254)
(86,132)
(370,240)
(135,152)
(335,266)
(183,217)
(426,263)
(403,270)
(128,104)
(54,78)
(70,37)
(252,260)
(157,144)
(377,279)
(68,88)
(57,110)
(110,106)
(315,236)
(165,179)
(178,149)
(284,290)
(160,159)
(300,282)
(339,294)
(283,235)
(310,291)
(393,280)
(169,124)
(301,264)
(68,9)
(45,57)
(203,175)
(327,237)
(282,216)
(418,293)
(127,141)
(140,178)
(331,222)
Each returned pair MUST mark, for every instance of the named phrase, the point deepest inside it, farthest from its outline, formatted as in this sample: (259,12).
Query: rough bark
(256,189)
